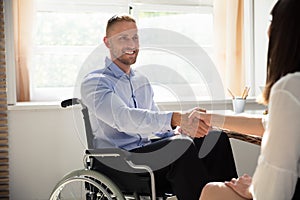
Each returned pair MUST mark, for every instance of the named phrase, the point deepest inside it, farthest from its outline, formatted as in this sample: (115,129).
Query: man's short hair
(118,18)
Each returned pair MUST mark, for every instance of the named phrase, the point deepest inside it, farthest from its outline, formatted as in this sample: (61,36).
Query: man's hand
(199,114)
(189,124)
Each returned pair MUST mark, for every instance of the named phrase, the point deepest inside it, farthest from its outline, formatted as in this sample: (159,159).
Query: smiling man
(124,115)
(123,42)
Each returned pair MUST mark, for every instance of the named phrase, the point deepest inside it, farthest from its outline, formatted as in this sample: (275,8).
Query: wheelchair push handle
(70,102)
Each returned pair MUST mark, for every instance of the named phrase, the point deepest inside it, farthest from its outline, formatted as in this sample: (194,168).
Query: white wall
(43,146)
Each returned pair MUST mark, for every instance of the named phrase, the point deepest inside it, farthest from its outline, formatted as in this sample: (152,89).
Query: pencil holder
(238,104)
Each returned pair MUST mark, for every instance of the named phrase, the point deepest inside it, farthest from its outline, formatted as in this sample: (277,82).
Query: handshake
(194,123)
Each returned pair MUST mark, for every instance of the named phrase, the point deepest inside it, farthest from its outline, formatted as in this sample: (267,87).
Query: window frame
(11,77)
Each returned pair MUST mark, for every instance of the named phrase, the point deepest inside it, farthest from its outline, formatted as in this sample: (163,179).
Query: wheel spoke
(86,187)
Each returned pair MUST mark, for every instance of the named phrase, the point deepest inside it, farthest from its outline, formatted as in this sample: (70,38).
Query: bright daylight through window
(65,36)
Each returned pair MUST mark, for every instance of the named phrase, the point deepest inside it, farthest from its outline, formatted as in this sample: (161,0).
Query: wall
(44,146)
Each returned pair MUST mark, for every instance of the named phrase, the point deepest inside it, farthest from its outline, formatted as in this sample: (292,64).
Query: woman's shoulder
(289,83)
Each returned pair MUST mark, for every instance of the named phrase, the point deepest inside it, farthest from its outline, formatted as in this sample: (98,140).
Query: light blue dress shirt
(121,107)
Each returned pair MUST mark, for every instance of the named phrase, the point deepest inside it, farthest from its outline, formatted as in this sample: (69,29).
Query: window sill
(209,105)
(35,105)
(186,105)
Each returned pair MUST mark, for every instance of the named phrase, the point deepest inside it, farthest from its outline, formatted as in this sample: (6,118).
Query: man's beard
(127,61)
(125,58)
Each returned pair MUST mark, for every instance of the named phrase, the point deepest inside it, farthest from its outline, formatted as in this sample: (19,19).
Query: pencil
(247,92)
(233,97)
(244,92)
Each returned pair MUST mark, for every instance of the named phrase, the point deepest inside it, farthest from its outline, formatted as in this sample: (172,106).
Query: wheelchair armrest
(105,153)
(108,152)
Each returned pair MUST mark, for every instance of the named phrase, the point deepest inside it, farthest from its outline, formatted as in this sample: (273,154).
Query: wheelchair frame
(109,190)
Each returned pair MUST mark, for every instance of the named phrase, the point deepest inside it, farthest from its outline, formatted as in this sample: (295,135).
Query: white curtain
(228,43)
(23,11)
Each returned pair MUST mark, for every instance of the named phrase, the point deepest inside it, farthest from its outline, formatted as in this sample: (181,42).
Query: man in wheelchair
(123,115)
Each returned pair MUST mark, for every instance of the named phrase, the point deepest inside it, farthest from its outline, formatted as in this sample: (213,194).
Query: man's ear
(106,42)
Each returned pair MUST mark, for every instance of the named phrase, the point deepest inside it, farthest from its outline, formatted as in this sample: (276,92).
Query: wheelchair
(97,181)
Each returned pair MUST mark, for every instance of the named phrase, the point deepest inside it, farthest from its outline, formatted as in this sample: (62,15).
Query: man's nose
(132,43)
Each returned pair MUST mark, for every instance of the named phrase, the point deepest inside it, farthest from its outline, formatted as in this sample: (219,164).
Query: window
(166,60)
(64,43)
(66,33)
(64,40)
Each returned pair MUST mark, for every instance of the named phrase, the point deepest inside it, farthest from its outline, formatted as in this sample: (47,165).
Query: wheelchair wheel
(86,185)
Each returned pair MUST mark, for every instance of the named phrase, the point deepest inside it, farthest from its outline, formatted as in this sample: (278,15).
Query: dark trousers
(181,165)
(297,191)
(187,165)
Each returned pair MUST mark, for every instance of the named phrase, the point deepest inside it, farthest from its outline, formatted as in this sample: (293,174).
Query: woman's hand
(198,113)
(241,185)
(190,124)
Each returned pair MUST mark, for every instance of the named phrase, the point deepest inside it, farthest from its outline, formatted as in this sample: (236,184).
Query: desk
(244,137)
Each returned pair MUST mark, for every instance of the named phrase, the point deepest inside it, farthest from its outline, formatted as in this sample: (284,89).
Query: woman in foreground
(278,170)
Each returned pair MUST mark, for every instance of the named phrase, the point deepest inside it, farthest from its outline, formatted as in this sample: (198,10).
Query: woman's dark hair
(284,43)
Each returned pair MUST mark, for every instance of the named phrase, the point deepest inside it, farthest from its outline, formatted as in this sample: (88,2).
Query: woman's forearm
(241,124)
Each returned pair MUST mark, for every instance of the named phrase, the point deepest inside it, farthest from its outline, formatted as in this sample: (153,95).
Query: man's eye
(123,38)
(135,37)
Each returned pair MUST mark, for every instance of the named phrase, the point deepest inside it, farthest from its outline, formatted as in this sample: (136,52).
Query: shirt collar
(115,69)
